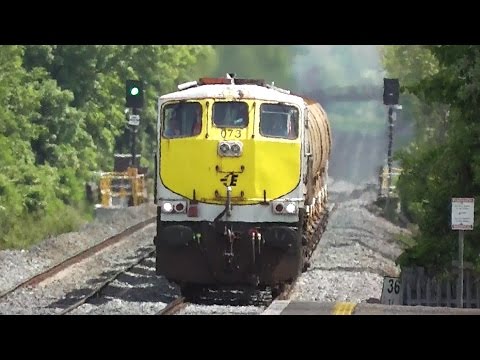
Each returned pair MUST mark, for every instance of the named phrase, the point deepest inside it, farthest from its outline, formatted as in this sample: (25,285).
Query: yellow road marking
(343,308)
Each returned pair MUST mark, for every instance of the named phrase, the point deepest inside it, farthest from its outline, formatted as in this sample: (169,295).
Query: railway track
(80,256)
(96,292)
(181,303)
(174,307)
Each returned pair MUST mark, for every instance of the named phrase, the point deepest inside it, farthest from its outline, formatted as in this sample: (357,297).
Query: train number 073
(231,133)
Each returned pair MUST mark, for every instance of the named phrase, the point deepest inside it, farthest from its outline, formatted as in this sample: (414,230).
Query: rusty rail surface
(105,283)
(173,307)
(84,254)
(287,292)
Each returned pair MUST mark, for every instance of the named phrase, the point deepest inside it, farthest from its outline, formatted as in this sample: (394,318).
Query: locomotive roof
(222,91)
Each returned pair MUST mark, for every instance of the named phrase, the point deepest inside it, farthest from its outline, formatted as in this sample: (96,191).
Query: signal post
(134,101)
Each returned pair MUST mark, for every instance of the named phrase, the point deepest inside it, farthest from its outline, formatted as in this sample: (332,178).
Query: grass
(28,230)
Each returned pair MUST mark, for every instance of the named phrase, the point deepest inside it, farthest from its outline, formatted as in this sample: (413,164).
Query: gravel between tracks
(67,287)
(356,251)
(18,265)
(195,309)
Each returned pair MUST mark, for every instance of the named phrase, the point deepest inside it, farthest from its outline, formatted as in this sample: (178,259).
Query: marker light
(167,207)
(290,208)
(179,207)
(284,207)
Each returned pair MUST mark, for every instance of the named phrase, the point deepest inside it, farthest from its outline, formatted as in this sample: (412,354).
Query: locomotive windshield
(279,121)
(182,119)
(230,114)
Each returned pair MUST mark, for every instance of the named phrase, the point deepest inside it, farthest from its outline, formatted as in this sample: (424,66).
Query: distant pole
(390,145)
(133,148)
(391,93)
(134,122)
(460,261)
(134,100)
(463,214)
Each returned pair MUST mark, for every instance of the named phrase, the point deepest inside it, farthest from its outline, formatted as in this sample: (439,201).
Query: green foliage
(410,64)
(444,162)
(96,75)
(28,229)
(62,117)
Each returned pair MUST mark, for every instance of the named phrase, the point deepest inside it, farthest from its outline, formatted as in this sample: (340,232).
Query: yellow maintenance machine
(123,187)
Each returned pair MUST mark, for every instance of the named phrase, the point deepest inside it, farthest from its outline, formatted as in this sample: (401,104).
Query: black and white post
(134,100)
(391,119)
(134,122)
(462,219)
(391,94)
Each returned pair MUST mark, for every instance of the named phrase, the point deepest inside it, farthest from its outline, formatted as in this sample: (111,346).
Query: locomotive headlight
(291,208)
(167,207)
(224,148)
(236,149)
(230,148)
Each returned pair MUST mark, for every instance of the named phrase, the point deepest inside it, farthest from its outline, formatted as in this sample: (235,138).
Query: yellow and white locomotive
(241,183)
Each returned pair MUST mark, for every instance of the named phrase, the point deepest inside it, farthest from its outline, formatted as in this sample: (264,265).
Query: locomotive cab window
(230,114)
(280,121)
(182,120)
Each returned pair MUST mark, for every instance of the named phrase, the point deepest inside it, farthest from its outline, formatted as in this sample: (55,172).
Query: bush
(29,229)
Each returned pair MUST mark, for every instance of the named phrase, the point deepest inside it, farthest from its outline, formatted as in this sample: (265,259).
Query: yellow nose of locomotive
(247,145)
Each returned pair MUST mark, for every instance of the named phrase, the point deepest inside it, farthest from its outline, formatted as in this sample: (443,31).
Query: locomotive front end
(230,194)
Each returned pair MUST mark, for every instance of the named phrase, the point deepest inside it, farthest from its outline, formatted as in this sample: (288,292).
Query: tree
(410,64)
(435,171)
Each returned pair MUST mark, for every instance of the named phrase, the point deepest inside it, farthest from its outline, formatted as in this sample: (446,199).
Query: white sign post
(462,219)
(391,292)
(134,120)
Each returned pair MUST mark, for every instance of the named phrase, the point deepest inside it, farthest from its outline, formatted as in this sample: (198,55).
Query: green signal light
(134,91)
